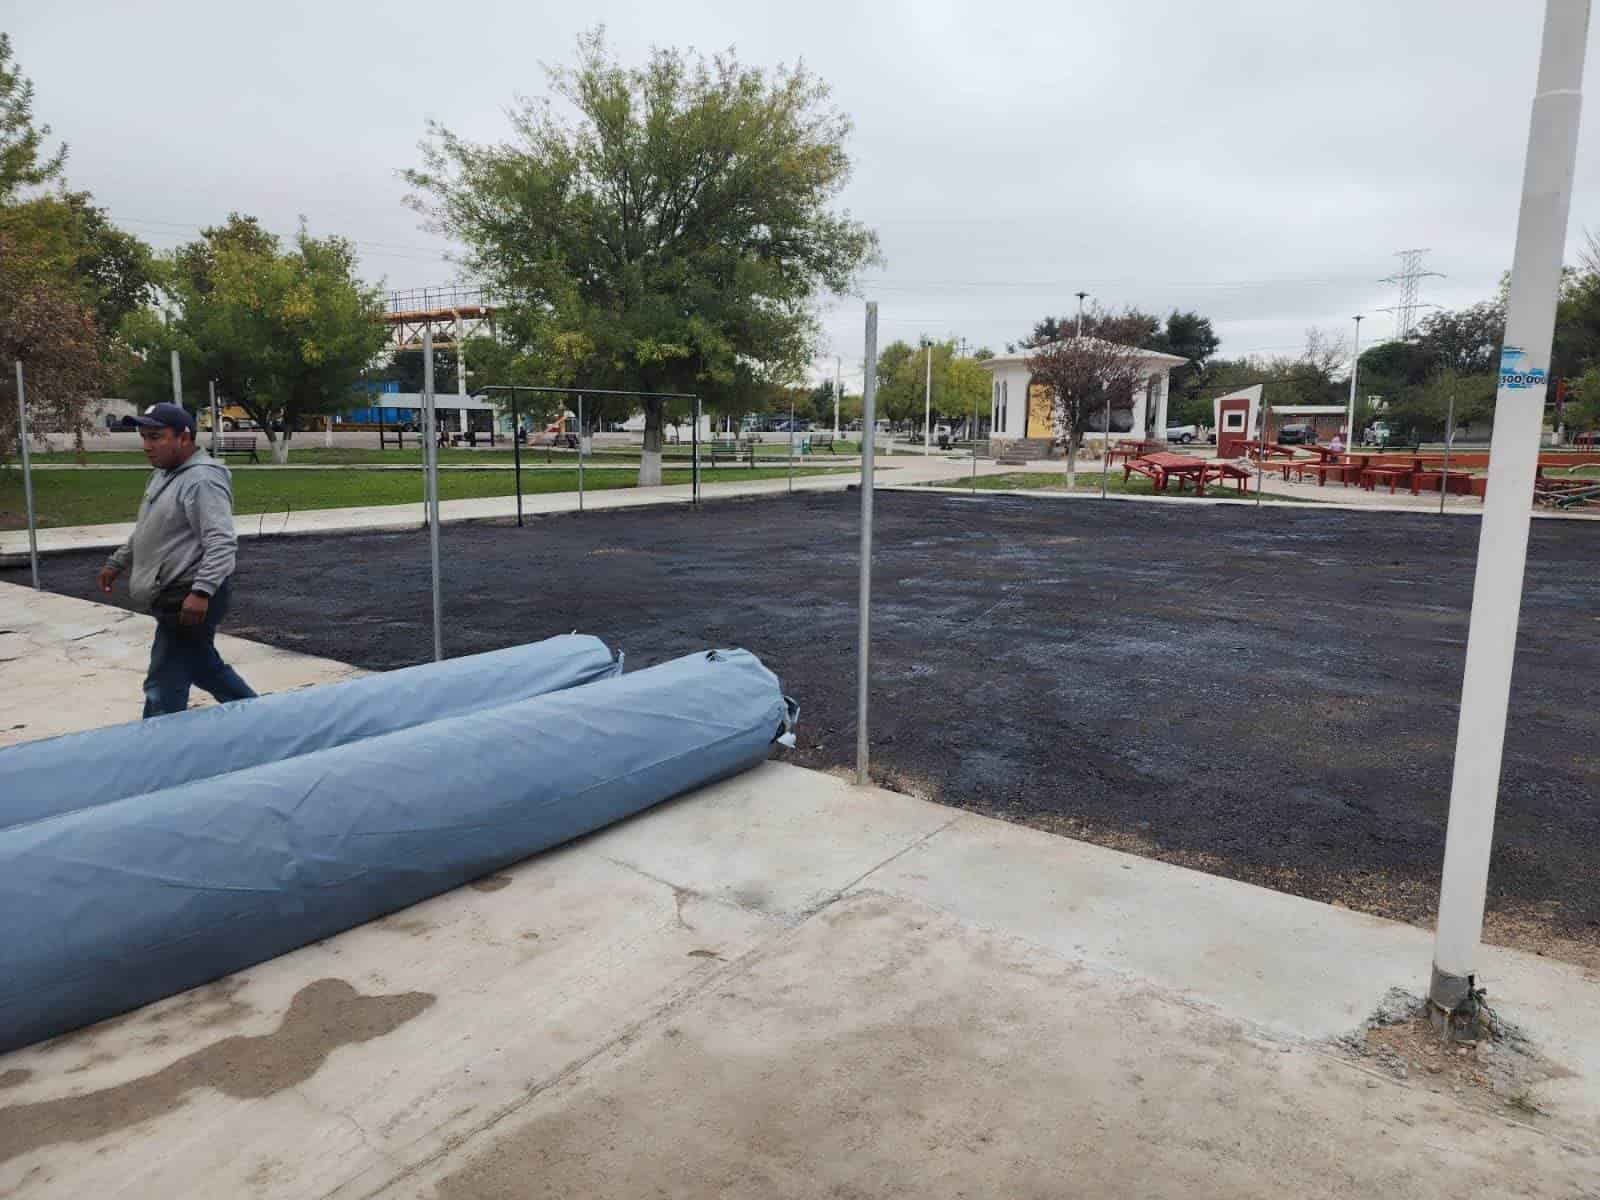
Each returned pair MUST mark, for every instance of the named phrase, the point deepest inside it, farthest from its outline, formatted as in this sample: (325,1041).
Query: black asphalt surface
(1267,695)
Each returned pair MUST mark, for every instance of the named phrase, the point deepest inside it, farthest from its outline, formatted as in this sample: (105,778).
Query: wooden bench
(234,443)
(822,441)
(397,436)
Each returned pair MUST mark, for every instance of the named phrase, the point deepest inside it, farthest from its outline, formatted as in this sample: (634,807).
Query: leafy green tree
(672,235)
(958,383)
(23,160)
(107,268)
(45,326)
(286,334)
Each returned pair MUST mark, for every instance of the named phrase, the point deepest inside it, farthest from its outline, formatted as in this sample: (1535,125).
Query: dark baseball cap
(166,416)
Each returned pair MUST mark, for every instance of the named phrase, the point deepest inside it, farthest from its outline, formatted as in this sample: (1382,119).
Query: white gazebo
(1022,409)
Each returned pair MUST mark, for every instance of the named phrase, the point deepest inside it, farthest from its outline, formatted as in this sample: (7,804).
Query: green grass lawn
(319,456)
(1089,481)
(101,497)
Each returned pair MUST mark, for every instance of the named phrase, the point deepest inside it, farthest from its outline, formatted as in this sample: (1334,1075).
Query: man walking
(180,556)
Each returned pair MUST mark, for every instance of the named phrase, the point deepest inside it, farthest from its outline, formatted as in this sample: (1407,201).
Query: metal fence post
(1444,470)
(791,443)
(216,417)
(694,471)
(516,451)
(869,394)
(1105,451)
(27,477)
(430,468)
(582,437)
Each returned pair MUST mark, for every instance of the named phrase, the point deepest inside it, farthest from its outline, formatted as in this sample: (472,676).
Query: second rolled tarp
(81,770)
(114,906)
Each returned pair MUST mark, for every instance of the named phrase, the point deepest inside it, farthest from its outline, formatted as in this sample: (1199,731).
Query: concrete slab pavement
(787,986)
(68,664)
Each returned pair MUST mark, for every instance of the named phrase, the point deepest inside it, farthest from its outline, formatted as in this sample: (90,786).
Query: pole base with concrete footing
(1454,998)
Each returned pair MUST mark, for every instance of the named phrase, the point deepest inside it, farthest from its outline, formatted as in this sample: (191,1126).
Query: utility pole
(927,407)
(1355,368)
(1407,279)
(177,380)
(1507,511)
(1081,297)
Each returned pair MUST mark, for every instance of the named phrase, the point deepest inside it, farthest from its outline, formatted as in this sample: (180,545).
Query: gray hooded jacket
(184,532)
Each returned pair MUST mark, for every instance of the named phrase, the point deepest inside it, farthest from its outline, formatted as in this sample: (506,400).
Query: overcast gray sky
(1257,160)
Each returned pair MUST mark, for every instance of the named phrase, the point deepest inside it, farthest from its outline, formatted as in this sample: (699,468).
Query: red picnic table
(1130,448)
(1161,467)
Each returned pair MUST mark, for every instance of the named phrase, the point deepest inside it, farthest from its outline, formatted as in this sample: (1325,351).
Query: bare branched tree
(1088,376)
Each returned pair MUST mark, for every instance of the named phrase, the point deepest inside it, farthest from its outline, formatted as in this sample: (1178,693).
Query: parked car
(1297,435)
(1183,434)
(1377,434)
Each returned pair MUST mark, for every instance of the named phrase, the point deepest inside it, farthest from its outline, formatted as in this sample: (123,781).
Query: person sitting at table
(1337,445)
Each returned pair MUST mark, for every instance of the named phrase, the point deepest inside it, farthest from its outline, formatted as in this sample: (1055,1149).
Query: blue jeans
(185,655)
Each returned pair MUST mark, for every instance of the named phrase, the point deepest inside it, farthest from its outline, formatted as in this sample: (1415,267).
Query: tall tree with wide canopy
(671,232)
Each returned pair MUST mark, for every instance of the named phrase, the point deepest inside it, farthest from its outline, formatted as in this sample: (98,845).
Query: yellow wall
(1041,413)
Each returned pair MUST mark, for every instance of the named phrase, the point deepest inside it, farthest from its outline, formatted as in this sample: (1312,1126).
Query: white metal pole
(177,380)
(927,407)
(216,418)
(869,395)
(1355,369)
(430,468)
(791,442)
(1507,508)
(27,476)
(583,437)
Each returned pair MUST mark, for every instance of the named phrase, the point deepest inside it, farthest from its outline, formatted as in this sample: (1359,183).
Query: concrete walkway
(785,986)
(907,469)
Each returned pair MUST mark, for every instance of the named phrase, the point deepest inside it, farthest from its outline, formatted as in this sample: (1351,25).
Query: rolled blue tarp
(81,770)
(111,907)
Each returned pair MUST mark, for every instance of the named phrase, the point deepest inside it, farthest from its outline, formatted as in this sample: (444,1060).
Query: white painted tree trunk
(586,444)
(280,447)
(650,468)
(1072,462)
(650,459)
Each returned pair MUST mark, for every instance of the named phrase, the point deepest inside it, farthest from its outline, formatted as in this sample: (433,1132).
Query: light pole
(1355,370)
(1507,510)
(1081,296)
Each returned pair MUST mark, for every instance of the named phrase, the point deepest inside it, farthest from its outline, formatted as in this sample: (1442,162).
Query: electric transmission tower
(1408,277)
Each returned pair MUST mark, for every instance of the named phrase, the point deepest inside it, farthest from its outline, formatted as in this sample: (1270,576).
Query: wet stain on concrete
(15,1077)
(490,883)
(322,1017)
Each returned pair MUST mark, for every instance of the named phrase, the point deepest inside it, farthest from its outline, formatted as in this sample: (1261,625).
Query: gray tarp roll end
(115,904)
